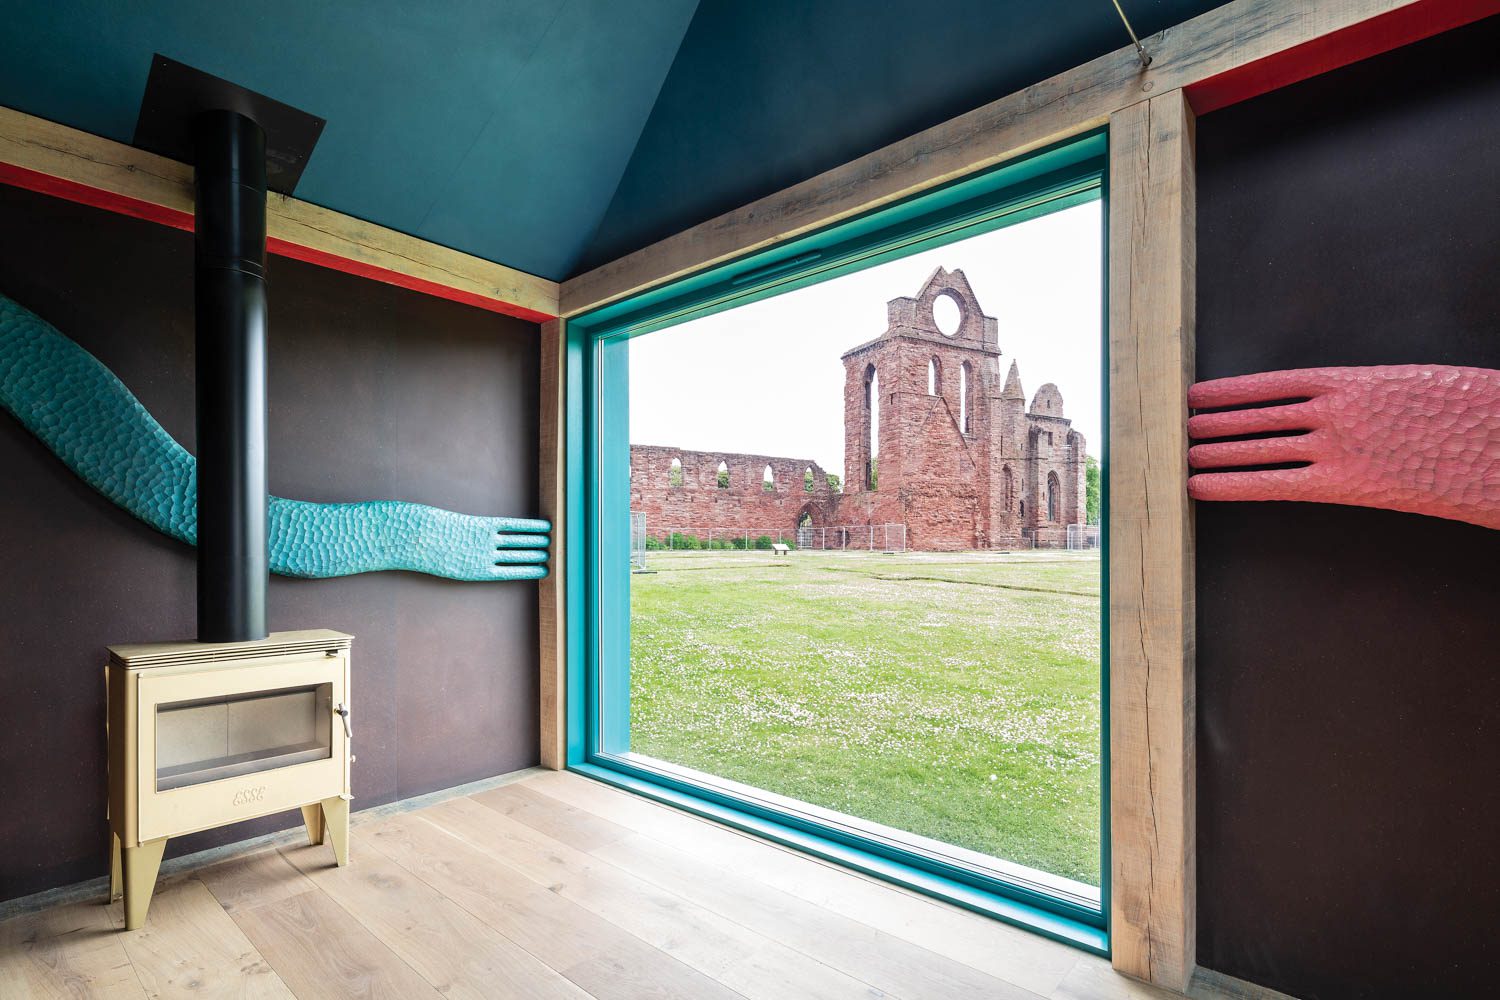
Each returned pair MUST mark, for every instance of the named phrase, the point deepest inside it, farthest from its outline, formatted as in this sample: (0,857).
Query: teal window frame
(597,454)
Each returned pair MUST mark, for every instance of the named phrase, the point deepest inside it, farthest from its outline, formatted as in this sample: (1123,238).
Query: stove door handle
(342,711)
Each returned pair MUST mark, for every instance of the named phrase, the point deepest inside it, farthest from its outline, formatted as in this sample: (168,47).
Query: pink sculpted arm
(1417,438)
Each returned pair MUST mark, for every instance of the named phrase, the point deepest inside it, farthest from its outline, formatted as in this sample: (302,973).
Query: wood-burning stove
(205,734)
(240,724)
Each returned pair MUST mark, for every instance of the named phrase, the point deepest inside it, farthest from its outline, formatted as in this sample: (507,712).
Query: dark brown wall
(1349,659)
(375,393)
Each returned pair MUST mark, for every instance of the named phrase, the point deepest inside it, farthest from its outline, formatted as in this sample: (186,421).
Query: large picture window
(844,542)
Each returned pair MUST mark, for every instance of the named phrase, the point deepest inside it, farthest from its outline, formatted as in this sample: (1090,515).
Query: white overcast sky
(766,378)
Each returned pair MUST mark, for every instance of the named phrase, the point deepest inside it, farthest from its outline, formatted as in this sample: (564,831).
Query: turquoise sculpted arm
(338,539)
(79,409)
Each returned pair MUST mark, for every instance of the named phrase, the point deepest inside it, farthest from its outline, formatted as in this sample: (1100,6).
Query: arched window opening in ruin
(933,385)
(1054,494)
(1008,487)
(674,474)
(965,388)
(723,475)
(805,521)
(808,482)
(872,403)
(768,481)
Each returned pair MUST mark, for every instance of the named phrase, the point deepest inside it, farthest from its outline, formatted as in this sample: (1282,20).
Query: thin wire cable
(1139,49)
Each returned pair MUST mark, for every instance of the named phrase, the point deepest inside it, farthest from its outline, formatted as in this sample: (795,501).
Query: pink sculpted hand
(1417,438)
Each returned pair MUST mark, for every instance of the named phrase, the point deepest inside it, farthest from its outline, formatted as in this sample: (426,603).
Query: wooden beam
(1224,39)
(1151,588)
(1382,33)
(551,602)
(64,162)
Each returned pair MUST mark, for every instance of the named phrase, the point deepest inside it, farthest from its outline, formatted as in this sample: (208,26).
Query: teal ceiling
(498,127)
(767,94)
(552,135)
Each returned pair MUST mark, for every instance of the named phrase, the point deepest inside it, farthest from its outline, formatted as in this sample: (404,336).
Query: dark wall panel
(375,393)
(1349,659)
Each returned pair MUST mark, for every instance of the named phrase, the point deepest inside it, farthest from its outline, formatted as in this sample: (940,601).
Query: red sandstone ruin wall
(700,505)
(933,477)
(1055,450)
(947,483)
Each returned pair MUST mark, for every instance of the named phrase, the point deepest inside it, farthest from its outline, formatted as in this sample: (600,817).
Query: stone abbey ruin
(963,463)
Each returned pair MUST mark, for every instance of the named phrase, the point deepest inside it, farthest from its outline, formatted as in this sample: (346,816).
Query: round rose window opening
(947,314)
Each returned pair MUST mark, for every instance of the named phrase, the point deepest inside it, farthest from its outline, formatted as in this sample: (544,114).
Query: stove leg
(312,818)
(140,865)
(336,823)
(115,889)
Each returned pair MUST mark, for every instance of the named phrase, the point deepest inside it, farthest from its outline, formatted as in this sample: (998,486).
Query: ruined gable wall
(932,477)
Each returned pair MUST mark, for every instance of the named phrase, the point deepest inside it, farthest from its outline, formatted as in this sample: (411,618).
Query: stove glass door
(207,739)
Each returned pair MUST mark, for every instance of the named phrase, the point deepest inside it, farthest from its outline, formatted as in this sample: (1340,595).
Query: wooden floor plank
(1094,979)
(695,936)
(558,887)
(1006,952)
(461,956)
(884,960)
(600,957)
(747,962)
(189,947)
(321,953)
(621,807)
(68,952)
(257,879)
(574,827)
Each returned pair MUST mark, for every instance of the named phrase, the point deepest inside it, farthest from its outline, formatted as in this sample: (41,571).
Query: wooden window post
(552,596)
(1151,613)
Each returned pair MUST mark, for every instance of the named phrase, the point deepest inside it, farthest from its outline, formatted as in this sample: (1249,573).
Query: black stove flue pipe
(229,287)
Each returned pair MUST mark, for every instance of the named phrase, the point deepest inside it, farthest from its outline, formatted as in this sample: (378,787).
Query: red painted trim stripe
(323,258)
(1379,34)
(83,194)
(57,187)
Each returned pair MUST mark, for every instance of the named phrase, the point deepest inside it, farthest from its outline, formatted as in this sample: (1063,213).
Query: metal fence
(637,541)
(854,537)
(1083,536)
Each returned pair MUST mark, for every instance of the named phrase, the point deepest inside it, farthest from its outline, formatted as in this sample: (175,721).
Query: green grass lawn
(955,696)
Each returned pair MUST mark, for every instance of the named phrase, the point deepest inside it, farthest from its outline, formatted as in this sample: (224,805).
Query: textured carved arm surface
(1418,438)
(90,420)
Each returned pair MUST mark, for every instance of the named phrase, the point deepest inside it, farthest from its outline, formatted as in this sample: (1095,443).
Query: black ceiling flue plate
(176,93)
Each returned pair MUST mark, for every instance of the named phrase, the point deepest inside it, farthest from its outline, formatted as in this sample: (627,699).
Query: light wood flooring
(554,886)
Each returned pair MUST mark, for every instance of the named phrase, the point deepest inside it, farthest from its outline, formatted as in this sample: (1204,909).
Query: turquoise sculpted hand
(76,406)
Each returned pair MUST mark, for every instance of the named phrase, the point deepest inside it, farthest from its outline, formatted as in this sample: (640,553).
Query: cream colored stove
(206,734)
